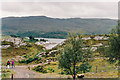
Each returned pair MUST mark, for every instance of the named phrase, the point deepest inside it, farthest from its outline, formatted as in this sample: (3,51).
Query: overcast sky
(61,9)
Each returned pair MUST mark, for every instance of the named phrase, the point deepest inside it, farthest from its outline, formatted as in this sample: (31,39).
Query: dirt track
(24,72)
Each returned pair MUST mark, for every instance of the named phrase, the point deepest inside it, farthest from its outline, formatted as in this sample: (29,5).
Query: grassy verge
(6,73)
(103,70)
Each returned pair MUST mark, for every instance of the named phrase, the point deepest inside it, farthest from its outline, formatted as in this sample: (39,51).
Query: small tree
(31,38)
(73,54)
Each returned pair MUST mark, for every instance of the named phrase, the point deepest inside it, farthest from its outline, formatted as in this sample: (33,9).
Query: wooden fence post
(12,77)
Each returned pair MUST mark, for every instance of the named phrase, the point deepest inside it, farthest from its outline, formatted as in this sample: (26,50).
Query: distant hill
(42,26)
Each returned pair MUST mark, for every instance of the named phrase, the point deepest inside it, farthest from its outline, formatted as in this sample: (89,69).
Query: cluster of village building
(19,42)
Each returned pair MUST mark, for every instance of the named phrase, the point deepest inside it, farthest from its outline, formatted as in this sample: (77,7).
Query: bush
(6,43)
(22,61)
(44,71)
(51,70)
(28,45)
(5,70)
(25,56)
(40,69)
(43,40)
(5,73)
(84,67)
(61,73)
(29,60)
(66,72)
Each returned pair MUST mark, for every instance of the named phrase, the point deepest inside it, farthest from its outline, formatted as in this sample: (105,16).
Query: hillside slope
(39,25)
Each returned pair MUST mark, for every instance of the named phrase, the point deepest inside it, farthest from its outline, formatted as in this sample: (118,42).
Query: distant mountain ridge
(40,25)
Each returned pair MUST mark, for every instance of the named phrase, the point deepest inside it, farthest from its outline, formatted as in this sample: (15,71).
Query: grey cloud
(60,9)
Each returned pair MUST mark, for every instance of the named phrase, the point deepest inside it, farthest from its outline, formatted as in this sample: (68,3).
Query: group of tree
(32,39)
(113,49)
(53,34)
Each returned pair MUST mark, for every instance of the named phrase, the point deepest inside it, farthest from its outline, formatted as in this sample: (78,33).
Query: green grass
(54,66)
(6,73)
(102,75)
(102,66)
(104,69)
(30,50)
